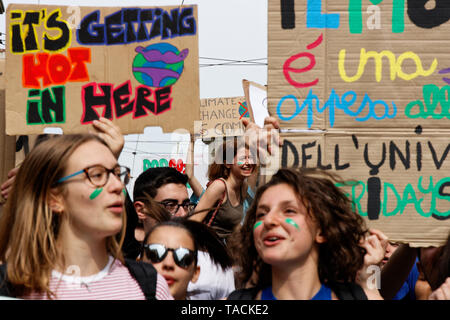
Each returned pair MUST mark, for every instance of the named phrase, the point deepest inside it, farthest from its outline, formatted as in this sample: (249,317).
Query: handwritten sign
(222,117)
(368,79)
(135,66)
(6,143)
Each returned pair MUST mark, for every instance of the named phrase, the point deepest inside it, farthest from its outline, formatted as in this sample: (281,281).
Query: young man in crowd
(167,188)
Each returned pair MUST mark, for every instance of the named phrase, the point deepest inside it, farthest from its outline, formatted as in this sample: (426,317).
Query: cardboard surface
(368,84)
(137,66)
(398,190)
(7,144)
(256,95)
(221,117)
(350,67)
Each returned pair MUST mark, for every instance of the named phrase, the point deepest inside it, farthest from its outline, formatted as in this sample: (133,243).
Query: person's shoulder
(216,187)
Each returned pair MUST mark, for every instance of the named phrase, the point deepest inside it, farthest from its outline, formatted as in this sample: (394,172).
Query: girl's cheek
(257,225)
(292,223)
(96,193)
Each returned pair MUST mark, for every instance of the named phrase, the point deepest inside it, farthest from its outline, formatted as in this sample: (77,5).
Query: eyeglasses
(172,205)
(157,252)
(98,175)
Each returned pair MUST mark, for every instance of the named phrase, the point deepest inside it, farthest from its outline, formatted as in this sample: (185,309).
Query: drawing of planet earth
(158,65)
(243,112)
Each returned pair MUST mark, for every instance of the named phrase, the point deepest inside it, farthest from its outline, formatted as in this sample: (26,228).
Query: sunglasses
(157,252)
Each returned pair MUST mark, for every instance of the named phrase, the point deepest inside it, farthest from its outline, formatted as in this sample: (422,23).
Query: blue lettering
(312,103)
(119,27)
(315,18)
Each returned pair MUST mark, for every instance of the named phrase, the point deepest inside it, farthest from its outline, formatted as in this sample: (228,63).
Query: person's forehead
(172,237)
(176,191)
(91,153)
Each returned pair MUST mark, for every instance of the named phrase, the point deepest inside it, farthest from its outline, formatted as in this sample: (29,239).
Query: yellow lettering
(395,65)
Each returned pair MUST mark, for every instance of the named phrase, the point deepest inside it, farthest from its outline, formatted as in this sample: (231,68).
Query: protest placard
(221,117)
(69,65)
(6,143)
(256,96)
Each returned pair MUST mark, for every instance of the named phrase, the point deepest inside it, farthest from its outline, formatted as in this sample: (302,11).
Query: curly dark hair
(340,256)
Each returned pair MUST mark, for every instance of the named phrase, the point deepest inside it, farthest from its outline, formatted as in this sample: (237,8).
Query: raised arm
(396,270)
(212,195)
(264,140)
(375,245)
(196,186)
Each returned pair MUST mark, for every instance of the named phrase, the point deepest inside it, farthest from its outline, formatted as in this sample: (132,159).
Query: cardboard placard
(69,65)
(339,64)
(368,84)
(221,117)
(402,183)
(256,95)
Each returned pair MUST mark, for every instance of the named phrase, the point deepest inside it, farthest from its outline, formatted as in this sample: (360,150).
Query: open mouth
(272,240)
(246,167)
(169,280)
(116,207)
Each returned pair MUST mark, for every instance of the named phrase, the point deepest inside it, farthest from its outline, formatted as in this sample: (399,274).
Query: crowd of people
(69,229)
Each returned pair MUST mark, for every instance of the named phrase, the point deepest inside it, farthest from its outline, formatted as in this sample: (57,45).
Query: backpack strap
(219,204)
(6,288)
(145,275)
(348,291)
(243,294)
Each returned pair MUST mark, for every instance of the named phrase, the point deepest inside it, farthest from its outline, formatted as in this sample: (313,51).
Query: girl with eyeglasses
(172,247)
(63,225)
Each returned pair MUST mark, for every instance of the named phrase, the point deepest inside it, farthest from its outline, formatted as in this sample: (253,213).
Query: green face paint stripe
(257,224)
(95,193)
(124,190)
(292,222)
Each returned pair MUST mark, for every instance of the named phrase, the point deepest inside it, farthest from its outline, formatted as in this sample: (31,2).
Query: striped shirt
(114,282)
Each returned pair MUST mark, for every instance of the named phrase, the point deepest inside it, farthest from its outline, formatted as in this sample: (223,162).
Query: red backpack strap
(220,202)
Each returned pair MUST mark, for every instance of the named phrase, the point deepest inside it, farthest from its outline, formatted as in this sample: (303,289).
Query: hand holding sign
(111,133)
(263,138)
(7,185)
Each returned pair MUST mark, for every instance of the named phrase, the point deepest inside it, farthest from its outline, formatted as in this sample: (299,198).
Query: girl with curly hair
(302,240)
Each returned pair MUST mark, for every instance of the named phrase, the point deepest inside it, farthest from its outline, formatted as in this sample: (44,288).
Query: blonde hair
(28,227)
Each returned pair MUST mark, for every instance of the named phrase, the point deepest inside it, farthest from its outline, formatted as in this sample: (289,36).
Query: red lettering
(287,69)
(79,57)
(59,68)
(180,165)
(172,163)
(55,68)
(118,101)
(33,71)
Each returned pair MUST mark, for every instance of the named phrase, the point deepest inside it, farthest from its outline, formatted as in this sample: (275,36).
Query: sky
(228,30)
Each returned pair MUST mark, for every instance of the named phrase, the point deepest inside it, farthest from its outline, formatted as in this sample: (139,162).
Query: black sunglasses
(157,252)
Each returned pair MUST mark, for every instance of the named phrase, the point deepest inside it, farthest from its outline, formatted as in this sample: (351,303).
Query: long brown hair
(28,227)
(340,256)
